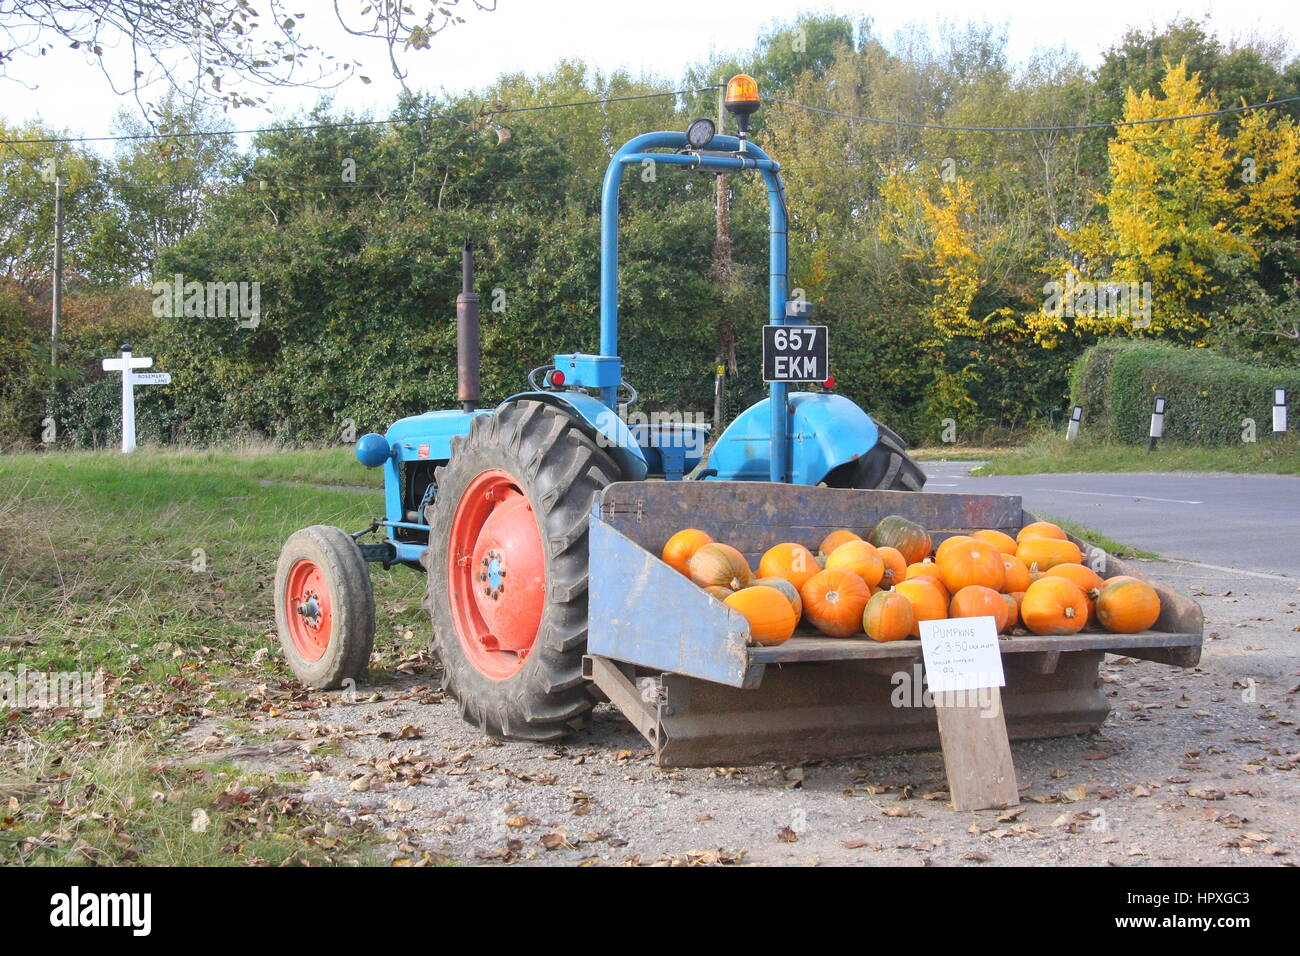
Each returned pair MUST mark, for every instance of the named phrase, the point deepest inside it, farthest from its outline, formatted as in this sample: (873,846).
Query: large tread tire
(560,470)
(352,599)
(886,467)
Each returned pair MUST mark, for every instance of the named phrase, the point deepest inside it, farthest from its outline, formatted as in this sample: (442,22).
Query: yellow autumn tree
(1184,203)
(933,222)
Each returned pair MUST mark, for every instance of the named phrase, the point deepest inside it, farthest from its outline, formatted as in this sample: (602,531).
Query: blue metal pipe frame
(634,152)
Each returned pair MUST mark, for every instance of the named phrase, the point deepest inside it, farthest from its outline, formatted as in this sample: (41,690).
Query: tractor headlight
(700,133)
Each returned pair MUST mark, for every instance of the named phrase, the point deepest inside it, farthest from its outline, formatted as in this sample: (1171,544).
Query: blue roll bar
(634,152)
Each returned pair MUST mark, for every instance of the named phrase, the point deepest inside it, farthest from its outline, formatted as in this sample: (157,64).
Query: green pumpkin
(907,537)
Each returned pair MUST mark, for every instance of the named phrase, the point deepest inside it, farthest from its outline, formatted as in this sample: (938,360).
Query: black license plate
(796,353)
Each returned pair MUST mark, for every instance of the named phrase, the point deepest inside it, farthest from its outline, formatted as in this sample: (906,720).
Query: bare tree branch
(225,49)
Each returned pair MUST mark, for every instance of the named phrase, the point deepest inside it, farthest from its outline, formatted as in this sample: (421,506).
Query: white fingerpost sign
(126,365)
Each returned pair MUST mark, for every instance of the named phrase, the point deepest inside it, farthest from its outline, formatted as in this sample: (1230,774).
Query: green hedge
(1209,396)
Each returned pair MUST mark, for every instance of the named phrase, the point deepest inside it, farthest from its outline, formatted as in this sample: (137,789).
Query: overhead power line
(505,110)
(1035,129)
(347,124)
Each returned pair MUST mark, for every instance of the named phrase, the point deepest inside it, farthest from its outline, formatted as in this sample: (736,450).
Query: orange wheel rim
(496,574)
(309,610)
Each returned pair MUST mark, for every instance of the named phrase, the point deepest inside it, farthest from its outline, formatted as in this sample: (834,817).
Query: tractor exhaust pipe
(467,334)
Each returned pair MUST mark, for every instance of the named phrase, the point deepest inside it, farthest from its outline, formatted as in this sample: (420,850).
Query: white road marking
(1105,494)
(1219,567)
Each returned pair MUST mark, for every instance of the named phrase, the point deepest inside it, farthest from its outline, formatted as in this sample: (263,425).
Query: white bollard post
(1072,429)
(1157,423)
(1279,413)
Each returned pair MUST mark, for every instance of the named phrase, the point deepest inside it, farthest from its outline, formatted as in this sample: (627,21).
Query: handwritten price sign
(961,653)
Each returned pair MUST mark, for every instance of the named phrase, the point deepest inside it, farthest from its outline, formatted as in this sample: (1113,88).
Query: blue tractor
(493,505)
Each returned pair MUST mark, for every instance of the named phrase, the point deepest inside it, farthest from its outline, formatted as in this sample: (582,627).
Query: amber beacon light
(741,99)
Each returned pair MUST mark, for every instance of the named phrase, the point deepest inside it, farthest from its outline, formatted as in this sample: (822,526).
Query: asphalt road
(1245,522)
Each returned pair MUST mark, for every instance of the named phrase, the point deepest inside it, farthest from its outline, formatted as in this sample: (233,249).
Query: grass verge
(1053,454)
(155,571)
(1095,537)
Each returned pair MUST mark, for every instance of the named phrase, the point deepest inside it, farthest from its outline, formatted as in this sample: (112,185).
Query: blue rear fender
(826,431)
(604,425)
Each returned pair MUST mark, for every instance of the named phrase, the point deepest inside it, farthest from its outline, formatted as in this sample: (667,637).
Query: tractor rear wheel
(507,569)
(324,606)
(886,467)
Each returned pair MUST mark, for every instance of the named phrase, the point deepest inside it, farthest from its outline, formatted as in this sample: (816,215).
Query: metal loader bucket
(677,663)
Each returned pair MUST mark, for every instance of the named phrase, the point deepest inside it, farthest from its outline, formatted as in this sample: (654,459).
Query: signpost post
(125,364)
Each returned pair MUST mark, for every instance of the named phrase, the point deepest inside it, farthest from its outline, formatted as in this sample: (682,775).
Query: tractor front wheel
(507,568)
(324,606)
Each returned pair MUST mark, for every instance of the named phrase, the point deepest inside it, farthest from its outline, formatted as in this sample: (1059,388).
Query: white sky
(645,36)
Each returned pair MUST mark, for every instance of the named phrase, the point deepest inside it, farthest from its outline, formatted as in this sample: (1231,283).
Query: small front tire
(324,607)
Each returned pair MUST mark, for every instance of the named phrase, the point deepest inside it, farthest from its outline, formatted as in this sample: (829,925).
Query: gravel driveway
(1197,766)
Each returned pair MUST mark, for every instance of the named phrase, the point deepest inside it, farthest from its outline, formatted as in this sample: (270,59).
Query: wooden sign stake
(976,751)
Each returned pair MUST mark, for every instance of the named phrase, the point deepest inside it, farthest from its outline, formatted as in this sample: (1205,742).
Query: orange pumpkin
(1041,529)
(895,531)
(978,601)
(677,552)
(719,564)
(1127,605)
(888,616)
(771,619)
(791,561)
(934,579)
(1047,553)
(837,538)
(921,567)
(1013,607)
(719,592)
(859,557)
(971,562)
(949,543)
(928,599)
(785,587)
(833,601)
(1088,580)
(1054,606)
(895,566)
(1000,540)
(1015,573)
